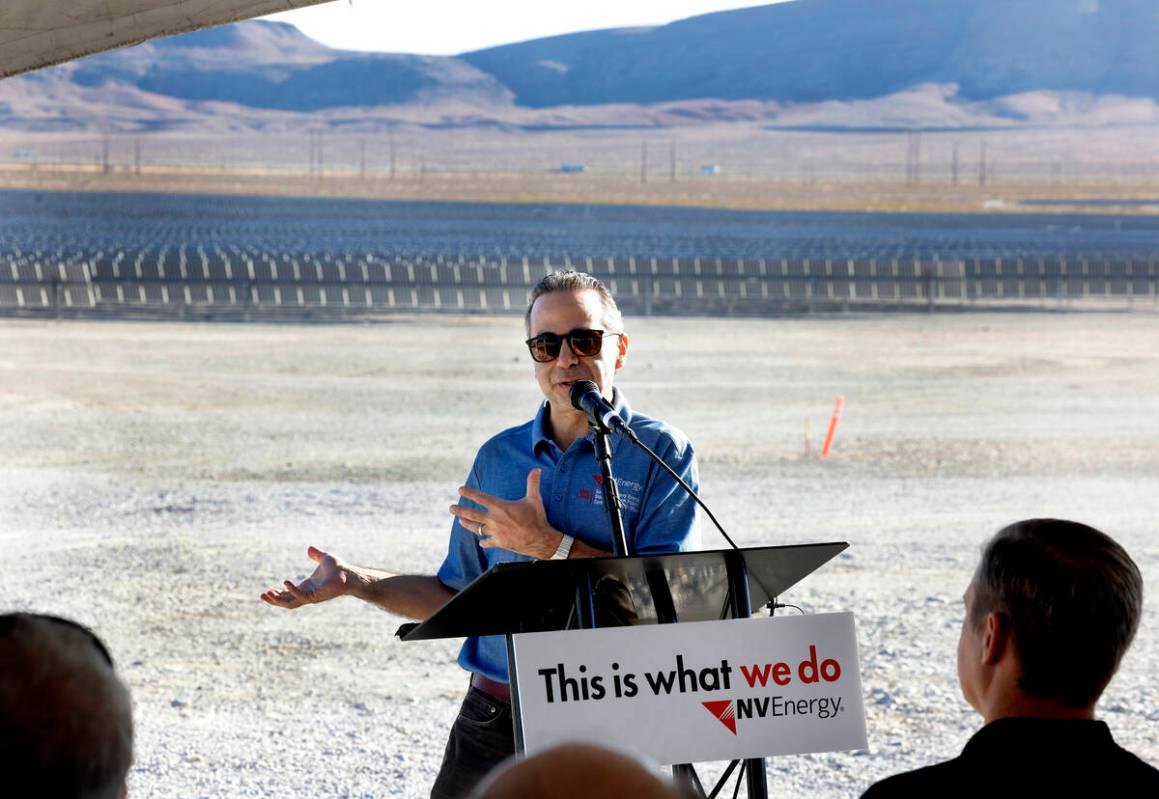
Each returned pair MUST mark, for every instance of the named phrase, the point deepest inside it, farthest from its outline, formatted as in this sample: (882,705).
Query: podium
(584,593)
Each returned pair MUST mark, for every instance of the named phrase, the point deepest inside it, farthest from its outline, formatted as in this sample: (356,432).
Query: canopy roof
(37,33)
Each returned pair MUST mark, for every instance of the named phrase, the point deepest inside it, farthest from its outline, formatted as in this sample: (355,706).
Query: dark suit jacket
(1030,757)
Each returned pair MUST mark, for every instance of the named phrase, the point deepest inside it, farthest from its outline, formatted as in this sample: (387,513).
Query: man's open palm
(327,581)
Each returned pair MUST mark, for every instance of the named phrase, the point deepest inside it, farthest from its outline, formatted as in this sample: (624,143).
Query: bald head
(66,727)
(575,771)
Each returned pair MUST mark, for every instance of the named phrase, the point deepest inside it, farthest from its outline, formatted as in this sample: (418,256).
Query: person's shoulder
(940,779)
(1136,770)
(504,448)
(519,435)
(655,432)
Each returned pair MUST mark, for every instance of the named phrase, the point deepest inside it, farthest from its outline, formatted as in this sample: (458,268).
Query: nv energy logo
(728,711)
(724,710)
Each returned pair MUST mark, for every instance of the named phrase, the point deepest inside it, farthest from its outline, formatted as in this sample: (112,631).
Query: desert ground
(156,478)
(1112,169)
(780,193)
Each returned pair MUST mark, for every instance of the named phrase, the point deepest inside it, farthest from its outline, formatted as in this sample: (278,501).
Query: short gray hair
(571,280)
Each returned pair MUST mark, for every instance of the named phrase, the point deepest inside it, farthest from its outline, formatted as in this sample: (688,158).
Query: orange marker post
(832,426)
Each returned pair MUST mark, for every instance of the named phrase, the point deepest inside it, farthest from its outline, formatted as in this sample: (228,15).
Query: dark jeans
(481,738)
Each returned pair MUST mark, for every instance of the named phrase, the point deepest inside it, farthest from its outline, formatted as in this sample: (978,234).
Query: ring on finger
(482,527)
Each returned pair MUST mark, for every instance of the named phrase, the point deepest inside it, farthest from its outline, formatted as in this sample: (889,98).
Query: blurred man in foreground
(575,771)
(66,723)
(534,492)
(1050,612)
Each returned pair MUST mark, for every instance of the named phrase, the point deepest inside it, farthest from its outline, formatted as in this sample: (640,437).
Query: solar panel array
(217,256)
(195,281)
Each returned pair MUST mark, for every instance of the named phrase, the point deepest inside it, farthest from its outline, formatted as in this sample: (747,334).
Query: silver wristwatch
(564,548)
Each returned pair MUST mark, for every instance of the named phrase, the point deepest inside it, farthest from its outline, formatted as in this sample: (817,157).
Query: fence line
(216,283)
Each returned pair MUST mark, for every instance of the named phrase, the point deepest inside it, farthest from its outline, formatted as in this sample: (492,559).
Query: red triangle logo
(723,710)
(599,478)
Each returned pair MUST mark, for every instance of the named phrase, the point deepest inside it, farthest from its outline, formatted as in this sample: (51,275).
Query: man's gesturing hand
(517,525)
(328,581)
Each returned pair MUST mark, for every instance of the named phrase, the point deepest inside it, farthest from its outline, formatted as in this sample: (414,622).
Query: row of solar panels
(516,274)
(641,293)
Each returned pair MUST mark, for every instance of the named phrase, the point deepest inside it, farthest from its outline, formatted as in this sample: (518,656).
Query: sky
(449,27)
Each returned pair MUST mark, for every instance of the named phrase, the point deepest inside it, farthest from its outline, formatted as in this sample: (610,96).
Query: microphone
(585,396)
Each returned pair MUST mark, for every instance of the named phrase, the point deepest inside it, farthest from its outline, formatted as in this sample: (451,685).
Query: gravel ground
(155,478)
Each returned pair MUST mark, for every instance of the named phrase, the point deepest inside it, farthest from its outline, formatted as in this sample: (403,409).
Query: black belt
(496,690)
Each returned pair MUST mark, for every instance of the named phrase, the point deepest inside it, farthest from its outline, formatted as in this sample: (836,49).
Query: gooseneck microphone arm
(585,396)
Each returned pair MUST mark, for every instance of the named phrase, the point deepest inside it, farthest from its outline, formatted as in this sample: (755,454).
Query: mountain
(271,66)
(822,64)
(816,50)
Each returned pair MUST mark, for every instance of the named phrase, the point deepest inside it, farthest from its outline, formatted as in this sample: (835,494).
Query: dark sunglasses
(583,342)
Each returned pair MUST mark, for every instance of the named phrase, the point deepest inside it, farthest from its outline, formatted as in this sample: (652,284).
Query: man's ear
(996,639)
(622,353)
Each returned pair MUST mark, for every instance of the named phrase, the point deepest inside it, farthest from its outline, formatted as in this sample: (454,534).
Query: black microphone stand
(612,504)
(752,769)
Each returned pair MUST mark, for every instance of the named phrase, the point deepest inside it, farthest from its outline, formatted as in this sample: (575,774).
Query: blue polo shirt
(659,516)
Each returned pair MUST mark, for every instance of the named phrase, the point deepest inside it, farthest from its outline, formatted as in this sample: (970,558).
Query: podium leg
(685,775)
(755,783)
(738,585)
(516,716)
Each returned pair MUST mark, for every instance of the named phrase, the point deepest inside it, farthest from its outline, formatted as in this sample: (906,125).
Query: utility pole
(917,157)
(954,166)
(913,167)
(362,159)
(672,162)
(644,162)
(316,166)
(909,158)
(982,163)
(137,156)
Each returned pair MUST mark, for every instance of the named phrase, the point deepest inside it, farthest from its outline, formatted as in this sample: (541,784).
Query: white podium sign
(683,693)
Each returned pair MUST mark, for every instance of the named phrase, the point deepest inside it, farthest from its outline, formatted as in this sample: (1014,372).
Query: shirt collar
(1012,733)
(539,436)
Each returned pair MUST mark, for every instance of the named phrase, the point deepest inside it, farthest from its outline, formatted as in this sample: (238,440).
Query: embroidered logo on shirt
(630,492)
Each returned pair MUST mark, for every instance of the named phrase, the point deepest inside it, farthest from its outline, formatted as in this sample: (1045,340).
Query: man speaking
(534,492)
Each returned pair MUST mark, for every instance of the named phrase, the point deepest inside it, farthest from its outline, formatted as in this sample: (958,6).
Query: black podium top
(538,596)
